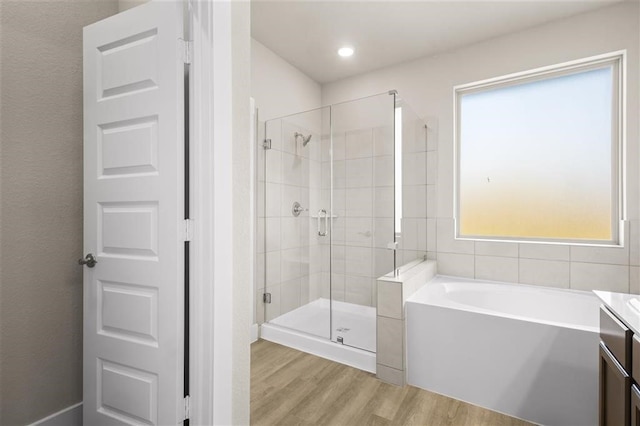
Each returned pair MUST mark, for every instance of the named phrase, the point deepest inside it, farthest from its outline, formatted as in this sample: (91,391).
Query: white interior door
(133,217)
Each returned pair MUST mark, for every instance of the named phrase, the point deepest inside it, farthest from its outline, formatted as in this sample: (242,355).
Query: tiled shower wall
(288,172)
(362,226)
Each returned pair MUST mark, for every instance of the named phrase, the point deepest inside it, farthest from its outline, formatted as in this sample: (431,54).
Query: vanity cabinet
(635,405)
(616,394)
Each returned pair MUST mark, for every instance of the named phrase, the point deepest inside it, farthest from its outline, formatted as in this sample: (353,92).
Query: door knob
(89,260)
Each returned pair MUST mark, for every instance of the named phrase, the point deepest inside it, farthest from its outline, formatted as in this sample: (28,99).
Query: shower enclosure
(330,216)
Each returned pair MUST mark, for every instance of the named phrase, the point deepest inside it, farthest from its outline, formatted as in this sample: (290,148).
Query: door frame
(221,257)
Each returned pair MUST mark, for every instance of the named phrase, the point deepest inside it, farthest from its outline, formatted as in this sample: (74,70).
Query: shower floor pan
(307,329)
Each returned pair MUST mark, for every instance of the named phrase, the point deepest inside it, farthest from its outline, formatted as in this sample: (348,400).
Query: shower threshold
(307,329)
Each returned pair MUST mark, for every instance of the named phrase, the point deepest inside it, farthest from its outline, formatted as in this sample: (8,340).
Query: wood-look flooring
(289,387)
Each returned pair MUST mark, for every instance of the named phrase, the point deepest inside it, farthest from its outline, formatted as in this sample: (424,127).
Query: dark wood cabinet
(635,406)
(615,385)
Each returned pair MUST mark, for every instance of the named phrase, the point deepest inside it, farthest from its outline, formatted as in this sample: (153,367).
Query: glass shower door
(297,211)
(363,234)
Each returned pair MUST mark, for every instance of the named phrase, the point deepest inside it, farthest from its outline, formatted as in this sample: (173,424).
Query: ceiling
(308,33)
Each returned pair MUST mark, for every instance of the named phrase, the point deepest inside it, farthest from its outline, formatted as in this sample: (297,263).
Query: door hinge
(266,298)
(187,50)
(187,407)
(188,230)
(266,144)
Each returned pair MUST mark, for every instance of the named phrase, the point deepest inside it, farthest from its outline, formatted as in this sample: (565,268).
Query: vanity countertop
(625,306)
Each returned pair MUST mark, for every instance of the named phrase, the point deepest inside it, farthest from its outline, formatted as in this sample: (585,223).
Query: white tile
(432,203)
(409,239)
(432,168)
(446,241)
(383,262)
(489,248)
(290,194)
(383,230)
(359,202)
(383,140)
(383,171)
(339,202)
(315,286)
(495,268)
(273,268)
(272,310)
(289,295)
(431,234)
(291,169)
(272,232)
(290,232)
(273,199)
(550,273)
(325,149)
(421,227)
(634,280)
(593,276)
(359,173)
(339,174)
(288,137)
(612,255)
(359,144)
(359,261)
(358,290)
(338,259)
(545,251)
(359,232)
(290,264)
(390,342)
(337,287)
(414,169)
(316,259)
(315,174)
(338,146)
(273,172)
(432,133)
(634,242)
(458,265)
(414,201)
(305,289)
(390,299)
(412,137)
(383,203)
(274,132)
(390,375)
(337,231)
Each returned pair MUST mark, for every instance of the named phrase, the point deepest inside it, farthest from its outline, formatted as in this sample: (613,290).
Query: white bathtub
(527,351)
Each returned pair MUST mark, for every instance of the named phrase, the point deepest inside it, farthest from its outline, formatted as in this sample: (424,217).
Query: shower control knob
(88,260)
(296,209)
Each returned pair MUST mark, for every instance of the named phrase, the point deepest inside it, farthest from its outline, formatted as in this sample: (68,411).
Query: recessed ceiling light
(345,52)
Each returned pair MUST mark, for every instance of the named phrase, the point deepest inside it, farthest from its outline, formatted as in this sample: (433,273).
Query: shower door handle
(322,212)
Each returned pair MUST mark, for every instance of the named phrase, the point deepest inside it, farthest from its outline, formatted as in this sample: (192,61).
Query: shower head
(305,139)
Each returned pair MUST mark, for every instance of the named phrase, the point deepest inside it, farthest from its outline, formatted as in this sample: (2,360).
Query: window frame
(616,60)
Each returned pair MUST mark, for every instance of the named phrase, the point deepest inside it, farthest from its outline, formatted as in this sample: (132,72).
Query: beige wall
(278,87)
(427,85)
(41,205)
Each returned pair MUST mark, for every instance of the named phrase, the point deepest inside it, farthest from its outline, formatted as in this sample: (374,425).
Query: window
(538,154)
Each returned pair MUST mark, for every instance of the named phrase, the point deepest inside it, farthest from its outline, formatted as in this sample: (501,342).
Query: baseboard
(254,332)
(70,416)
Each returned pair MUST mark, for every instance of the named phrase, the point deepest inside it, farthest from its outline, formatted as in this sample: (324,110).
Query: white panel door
(133,211)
